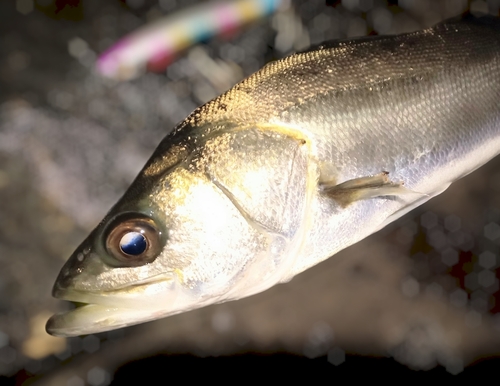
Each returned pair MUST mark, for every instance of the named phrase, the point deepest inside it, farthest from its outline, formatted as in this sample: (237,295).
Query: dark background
(421,293)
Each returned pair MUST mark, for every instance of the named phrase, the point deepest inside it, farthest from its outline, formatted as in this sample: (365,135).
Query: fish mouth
(109,310)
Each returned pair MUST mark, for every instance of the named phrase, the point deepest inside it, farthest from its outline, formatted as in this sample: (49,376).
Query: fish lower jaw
(99,312)
(95,318)
(109,313)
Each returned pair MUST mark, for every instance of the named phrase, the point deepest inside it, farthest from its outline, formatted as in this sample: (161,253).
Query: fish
(309,155)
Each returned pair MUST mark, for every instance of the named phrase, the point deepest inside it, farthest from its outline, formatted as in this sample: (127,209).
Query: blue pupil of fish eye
(133,243)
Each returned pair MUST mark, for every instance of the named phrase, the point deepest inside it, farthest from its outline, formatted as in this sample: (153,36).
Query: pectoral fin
(364,188)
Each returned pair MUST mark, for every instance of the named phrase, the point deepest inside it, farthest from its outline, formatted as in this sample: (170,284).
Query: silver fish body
(302,159)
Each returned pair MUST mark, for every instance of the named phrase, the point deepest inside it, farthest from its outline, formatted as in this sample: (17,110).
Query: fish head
(209,219)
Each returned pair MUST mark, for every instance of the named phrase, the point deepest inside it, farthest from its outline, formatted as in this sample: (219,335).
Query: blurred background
(422,294)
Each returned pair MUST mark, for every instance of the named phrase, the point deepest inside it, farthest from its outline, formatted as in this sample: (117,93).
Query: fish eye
(133,240)
(133,243)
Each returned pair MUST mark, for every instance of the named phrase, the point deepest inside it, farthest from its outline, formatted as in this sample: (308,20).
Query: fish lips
(103,311)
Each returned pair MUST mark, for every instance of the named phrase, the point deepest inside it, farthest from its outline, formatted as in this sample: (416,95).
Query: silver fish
(304,158)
